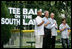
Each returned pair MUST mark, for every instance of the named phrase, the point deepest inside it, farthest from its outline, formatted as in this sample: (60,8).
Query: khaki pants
(39,41)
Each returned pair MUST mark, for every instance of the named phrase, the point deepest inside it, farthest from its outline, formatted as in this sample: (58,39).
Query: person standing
(47,30)
(46,38)
(39,30)
(64,33)
(53,30)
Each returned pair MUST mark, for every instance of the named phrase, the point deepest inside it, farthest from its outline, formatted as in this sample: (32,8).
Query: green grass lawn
(26,38)
(57,46)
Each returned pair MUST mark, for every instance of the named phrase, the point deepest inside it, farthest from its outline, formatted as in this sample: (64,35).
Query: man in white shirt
(39,30)
(53,30)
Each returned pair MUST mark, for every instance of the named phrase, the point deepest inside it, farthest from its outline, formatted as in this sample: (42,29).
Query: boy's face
(64,21)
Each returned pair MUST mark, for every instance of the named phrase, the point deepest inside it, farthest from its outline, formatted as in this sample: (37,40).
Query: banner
(27,16)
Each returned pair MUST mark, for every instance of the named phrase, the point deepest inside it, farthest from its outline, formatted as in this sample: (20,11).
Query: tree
(5,29)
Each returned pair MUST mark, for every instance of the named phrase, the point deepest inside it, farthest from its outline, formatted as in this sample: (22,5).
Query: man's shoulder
(37,17)
(48,18)
(54,20)
(43,17)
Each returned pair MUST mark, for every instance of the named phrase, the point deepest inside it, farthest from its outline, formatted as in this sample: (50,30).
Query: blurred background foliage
(58,7)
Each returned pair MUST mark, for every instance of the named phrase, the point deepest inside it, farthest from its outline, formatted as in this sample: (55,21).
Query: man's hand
(55,23)
(56,27)
(41,23)
(47,23)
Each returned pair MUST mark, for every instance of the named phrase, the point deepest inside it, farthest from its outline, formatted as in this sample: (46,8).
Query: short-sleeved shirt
(45,21)
(54,28)
(39,30)
(64,33)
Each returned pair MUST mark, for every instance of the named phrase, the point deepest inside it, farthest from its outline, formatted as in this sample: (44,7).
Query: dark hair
(63,19)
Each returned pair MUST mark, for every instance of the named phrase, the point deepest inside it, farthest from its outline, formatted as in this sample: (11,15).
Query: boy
(64,33)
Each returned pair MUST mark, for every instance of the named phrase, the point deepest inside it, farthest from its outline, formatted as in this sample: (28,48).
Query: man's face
(46,14)
(52,15)
(39,13)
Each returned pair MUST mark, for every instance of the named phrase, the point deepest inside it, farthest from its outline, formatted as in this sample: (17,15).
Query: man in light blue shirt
(47,30)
